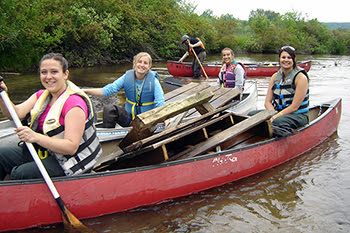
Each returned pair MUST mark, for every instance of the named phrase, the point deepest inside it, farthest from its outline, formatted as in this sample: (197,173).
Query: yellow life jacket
(89,148)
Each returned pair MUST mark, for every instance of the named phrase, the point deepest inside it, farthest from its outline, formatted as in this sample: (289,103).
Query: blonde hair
(138,56)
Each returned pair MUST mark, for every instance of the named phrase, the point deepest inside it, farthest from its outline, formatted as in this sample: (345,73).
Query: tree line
(90,33)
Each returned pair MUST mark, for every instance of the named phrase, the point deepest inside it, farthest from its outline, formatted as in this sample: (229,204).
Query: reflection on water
(308,194)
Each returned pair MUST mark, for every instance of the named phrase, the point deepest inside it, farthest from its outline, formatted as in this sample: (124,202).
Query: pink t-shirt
(71,102)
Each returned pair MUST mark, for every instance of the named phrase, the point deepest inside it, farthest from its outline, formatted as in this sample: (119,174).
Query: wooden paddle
(71,223)
(195,54)
(172,83)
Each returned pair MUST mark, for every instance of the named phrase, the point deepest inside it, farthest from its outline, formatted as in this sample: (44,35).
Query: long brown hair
(291,51)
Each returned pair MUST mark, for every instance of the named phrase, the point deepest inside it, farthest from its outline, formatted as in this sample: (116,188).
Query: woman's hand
(26,134)
(3,86)
(274,117)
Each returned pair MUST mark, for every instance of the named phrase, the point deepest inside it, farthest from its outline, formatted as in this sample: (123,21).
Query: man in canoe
(288,93)
(142,90)
(232,73)
(60,128)
(195,48)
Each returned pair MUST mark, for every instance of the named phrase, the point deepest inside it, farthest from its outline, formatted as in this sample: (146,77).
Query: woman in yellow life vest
(61,127)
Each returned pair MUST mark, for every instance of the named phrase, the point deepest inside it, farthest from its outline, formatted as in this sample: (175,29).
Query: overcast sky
(331,11)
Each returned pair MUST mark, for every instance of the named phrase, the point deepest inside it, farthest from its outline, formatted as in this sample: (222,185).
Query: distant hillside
(337,25)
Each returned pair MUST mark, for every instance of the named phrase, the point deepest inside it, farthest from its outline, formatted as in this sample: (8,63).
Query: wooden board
(222,96)
(225,135)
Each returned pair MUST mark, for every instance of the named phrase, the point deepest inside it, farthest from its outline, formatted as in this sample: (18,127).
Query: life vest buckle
(43,153)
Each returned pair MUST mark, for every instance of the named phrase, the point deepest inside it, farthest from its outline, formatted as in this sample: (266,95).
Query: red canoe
(183,69)
(29,203)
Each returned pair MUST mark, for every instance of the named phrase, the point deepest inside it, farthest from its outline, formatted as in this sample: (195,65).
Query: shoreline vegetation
(103,32)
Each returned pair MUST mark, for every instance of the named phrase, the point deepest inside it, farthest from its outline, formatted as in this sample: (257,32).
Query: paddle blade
(72,223)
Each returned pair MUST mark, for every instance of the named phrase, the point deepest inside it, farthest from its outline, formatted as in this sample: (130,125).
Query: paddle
(206,76)
(70,221)
(172,83)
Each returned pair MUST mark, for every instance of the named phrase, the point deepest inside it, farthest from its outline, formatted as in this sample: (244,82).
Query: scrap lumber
(235,130)
(175,130)
(144,124)
(219,133)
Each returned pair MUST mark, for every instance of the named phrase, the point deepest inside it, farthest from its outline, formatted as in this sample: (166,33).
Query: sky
(324,11)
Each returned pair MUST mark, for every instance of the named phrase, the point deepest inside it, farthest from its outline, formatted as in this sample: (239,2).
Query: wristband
(280,113)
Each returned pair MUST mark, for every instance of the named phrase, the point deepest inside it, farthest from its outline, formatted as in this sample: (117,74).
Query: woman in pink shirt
(60,123)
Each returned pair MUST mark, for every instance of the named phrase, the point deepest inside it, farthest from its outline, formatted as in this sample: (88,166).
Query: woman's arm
(95,91)
(158,94)
(269,94)
(74,128)
(239,74)
(301,86)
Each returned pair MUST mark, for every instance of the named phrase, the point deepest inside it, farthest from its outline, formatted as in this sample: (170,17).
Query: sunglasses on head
(288,47)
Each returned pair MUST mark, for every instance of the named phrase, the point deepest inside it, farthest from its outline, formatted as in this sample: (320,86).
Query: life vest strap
(137,104)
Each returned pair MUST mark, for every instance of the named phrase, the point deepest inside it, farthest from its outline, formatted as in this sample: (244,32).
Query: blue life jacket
(142,100)
(284,90)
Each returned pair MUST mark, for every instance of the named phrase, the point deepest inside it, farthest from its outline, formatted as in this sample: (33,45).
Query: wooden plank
(225,135)
(226,97)
(164,112)
(179,91)
(176,120)
(165,152)
(205,108)
(222,96)
(149,119)
(185,91)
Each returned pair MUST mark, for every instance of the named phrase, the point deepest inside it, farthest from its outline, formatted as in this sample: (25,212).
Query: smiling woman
(60,119)
(288,93)
(142,90)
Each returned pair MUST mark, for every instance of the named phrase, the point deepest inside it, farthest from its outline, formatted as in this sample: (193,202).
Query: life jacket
(198,49)
(139,101)
(89,148)
(227,75)
(284,90)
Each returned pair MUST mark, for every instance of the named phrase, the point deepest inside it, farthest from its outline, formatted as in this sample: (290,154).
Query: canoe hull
(98,194)
(183,69)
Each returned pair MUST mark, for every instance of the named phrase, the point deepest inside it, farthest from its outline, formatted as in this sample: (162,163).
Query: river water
(308,194)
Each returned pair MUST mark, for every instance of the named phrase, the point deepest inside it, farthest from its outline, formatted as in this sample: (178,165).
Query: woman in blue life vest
(61,127)
(194,47)
(232,73)
(142,90)
(288,93)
